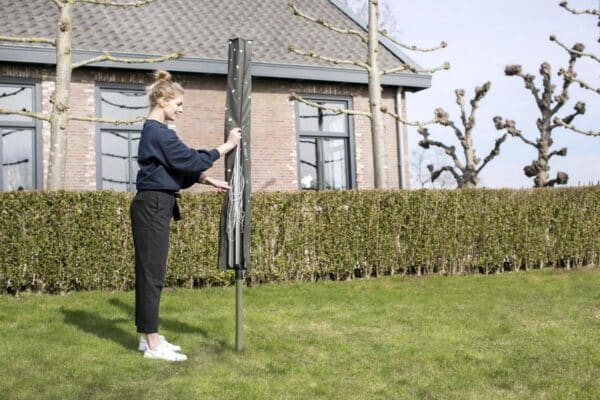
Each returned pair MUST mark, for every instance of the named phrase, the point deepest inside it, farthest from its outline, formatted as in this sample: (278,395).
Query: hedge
(61,241)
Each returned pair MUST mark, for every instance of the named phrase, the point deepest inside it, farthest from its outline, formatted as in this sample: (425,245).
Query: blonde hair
(163,87)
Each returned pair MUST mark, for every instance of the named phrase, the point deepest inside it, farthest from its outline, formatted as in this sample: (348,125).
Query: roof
(201,29)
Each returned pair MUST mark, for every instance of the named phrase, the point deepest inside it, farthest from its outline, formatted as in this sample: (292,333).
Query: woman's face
(172,107)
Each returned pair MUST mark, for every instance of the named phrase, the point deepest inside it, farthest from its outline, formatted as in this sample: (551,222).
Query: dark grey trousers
(151,213)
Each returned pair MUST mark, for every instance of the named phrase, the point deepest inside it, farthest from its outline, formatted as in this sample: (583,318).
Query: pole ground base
(239,308)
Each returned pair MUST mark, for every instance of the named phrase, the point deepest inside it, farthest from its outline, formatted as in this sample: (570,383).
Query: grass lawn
(533,335)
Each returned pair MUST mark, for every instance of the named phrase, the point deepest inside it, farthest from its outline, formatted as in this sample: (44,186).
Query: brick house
(293,146)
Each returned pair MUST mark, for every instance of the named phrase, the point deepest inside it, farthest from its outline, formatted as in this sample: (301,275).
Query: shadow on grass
(104,328)
(107,328)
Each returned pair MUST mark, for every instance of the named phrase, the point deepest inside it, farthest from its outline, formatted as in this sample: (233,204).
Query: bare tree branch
(108,57)
(117,156)
(13,93)
(493,153)
(564,96)
(511,70)
(449,150)
(108,121)
(328,25)
(579,110)
(31,39)
(561,179)
(23,161)
(560,122)
(116,3)
(565,5)
(384,33)
(406,67)
(460,100)
(581,83)
(574,49)
(510,127)
(405,122)
(562,152)
(103,100)
(58,3)
(546,73)
(442,118)
(295,96)
(577,51)
(436,174)
(420,173)
(43,117)
(328,59)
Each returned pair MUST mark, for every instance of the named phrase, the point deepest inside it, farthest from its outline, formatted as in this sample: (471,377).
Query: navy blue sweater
(166,163)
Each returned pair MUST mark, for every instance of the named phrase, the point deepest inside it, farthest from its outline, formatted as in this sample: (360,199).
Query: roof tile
(199,28)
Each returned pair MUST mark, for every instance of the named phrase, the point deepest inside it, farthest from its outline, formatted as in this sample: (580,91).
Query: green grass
(533,335)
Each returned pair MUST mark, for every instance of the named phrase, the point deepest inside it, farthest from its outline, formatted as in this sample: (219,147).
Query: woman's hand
(221,186)
(234,136)
(232,141)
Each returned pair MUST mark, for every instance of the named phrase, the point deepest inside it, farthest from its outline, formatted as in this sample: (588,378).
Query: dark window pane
(314,119)
(16,98)
(115,160)
(123,105)
(309,119)
(308,164)
(17,159)
(335,173)
(135,142)
(333,121)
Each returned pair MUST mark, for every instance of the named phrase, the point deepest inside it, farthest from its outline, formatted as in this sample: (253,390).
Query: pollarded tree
(549,104)
(60,116)
(371,65)
(573,76)
(466,173)
(420,177)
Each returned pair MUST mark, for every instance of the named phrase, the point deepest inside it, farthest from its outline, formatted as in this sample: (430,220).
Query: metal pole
(239,273)
(239,307)
(402,184)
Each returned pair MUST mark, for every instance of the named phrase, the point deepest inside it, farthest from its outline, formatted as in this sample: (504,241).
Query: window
(325,146)
(20,142)
(118,144)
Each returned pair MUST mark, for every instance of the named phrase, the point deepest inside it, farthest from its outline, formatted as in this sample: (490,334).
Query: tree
(549,105)
(374,71)
(465,173)
(420,176)
(60,116)
(573,76)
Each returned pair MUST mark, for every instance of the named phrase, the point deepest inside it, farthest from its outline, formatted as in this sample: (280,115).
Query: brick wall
(274,153)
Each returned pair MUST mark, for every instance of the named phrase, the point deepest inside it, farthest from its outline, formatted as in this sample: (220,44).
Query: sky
(483,37)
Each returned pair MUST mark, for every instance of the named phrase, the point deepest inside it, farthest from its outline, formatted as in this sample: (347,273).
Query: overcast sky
(483,37)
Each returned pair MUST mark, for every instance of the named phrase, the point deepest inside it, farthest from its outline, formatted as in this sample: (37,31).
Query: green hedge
(62,241)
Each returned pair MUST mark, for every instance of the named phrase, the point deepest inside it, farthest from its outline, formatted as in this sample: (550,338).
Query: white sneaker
(162,352)
(142,346)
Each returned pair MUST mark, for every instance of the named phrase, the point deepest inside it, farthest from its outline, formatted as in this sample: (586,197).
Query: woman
(166,166)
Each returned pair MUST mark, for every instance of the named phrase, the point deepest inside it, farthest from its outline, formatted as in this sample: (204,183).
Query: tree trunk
(543,146)
(60,100)
(379,153)
(470,178)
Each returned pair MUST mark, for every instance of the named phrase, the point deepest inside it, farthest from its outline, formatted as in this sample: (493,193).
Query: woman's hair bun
(163,87)
(161,75)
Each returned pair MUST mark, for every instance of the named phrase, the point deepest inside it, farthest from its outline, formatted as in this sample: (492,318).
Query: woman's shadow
(108,328)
